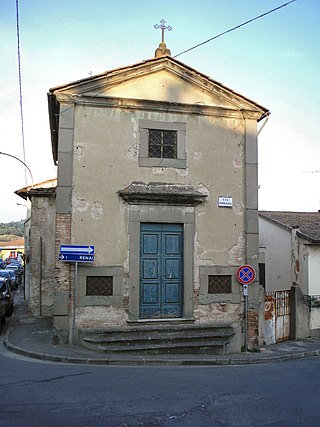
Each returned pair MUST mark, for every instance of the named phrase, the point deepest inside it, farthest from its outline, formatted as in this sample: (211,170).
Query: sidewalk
(33,337)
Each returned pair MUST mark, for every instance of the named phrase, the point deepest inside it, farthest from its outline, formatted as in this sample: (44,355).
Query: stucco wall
(315,322)
(277,244)
(107,140)
(42,243)
(314,269)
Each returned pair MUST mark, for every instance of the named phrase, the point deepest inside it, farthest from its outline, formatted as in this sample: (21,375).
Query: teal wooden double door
(161,271)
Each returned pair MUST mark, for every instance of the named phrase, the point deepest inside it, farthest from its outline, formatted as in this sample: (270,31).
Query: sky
(274,61)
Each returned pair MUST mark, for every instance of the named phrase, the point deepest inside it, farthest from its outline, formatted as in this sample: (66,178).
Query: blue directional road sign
(71,253)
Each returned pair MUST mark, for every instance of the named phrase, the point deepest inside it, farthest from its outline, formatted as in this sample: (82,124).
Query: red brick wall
(63,236)
(253,329)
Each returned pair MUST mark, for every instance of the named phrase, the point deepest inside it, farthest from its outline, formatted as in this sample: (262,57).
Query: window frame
(116,299)
(219,270)
(180,162)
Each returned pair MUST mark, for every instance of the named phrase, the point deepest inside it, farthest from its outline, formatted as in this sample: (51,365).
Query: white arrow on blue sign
(73,253)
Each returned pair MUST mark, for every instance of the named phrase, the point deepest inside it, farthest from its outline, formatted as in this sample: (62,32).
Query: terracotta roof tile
(308,223)
(19,241)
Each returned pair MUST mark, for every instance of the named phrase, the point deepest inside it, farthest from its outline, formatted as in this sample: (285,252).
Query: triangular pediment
(163,80)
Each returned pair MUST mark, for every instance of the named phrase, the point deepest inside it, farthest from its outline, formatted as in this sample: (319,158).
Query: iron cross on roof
(163,27)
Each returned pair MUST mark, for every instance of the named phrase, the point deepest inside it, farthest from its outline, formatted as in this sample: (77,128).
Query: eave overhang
(54,111)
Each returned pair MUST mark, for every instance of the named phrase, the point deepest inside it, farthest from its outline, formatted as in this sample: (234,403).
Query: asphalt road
(35,393)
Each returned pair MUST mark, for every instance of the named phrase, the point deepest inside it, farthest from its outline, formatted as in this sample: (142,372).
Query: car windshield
(4,273)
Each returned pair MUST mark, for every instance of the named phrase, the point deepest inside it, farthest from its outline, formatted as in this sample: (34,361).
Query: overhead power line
(235,28)
(20,88)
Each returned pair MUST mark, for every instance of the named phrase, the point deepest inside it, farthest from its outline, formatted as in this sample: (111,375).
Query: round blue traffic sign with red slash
(245,274)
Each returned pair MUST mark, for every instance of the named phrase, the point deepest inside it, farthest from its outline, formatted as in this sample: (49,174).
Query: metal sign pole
(76,254)
(245,275)
(245,294)
(74,302)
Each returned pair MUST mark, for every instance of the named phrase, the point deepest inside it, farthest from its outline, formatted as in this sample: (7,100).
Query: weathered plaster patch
(158,171)
(220,312)
(78,152)
(238,208)
(133,152)
(197,156)
(97,210)
(80,204)
(182,172)
(100,317)
(236,254)
(199,253)
(134,123)
(237,163)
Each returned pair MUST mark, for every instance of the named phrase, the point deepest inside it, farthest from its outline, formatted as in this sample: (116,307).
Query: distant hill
(10,230)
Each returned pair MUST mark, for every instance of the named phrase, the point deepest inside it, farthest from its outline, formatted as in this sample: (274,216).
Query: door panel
(150,269)
(150,293)
(172,293)
(172,269)
(150,243)
(172,244)
(161,278)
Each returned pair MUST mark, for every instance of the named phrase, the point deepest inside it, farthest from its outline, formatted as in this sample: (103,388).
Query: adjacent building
(39,240)
(290,254)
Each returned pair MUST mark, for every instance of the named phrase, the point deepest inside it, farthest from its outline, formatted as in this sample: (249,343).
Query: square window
(99,285)
(162,144)
(219,284)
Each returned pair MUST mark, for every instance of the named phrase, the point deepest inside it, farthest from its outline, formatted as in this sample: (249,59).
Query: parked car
(17,272)
(15,262)
(3,309)
(9,274)
(5,290)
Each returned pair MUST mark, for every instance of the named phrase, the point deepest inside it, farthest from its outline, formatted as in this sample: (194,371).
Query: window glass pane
(163,143)
(219,284)
(99,285)
(154,143)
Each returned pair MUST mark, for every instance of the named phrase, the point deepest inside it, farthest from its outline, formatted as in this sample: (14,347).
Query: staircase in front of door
(211,339)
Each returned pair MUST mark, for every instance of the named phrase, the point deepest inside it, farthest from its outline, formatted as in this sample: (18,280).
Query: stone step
(136,328)
(217,348)
(123,339)
(157,339)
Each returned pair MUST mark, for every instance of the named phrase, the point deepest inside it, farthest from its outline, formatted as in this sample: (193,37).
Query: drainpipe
(294,282)
(295,268)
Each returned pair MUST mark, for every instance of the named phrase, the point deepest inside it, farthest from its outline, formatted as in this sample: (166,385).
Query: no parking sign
(245,274)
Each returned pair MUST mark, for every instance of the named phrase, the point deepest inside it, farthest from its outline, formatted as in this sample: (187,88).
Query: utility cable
(235,28)
(20,88)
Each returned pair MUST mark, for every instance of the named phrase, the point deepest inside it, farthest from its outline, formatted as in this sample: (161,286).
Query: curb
(141,361)
(158,360)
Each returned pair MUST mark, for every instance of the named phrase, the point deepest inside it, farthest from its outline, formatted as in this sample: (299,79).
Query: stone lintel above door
(162,193)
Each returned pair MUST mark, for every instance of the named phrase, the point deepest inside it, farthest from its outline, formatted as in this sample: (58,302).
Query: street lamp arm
(14,157)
